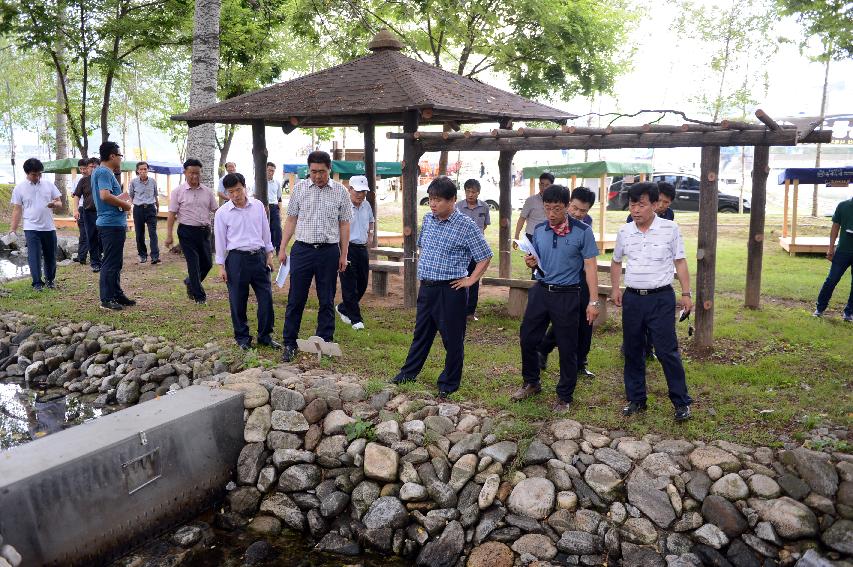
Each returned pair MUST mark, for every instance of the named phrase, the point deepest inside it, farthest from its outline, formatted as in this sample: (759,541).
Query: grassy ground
(775,371)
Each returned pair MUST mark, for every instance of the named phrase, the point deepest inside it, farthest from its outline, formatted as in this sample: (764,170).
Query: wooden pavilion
(828,176)
(388,88)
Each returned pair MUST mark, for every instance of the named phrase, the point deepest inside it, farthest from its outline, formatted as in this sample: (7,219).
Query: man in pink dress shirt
(244,254)
(191,204)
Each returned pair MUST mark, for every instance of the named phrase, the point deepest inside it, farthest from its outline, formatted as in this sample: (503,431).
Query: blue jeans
(112,244)
(41,243)
(840,262)
(321,265)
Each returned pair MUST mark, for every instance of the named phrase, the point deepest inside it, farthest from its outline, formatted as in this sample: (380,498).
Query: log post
(411,155)
(706,253)
(792,252)
(755,246)
(259,158)
(370,173)
(574,182)
(602,203)
(505,212)
(785,209)
(532,186)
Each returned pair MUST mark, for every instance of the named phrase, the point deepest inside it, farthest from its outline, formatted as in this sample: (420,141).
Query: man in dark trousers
(841,258)
(652,245)
(448,241)
(89,214)
(274,205)
(191,204)
(318,215)
(244,254)
(354,278)
(112,205)
(83,240)
(478,211)
(582,200)
(566,249)
(146,204)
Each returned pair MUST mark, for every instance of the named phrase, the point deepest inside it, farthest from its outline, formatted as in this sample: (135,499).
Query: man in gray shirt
(533,211)
(478,211)
(143,194)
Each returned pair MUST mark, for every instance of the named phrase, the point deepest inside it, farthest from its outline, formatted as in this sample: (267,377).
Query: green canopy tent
(590,170)
(346,169)
(69,165)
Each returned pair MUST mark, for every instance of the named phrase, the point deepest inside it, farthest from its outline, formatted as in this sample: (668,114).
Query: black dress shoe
(50,285)
(400,379)
(585,373)
(270,343)
(155,261)
(288,354)
(125,301)
(111,305)
(682,413)
(245,346)
(633,408)
(543,360)
(443,396)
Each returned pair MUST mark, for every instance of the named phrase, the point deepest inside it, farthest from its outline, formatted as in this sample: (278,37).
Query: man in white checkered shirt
(652,245)
(318,214)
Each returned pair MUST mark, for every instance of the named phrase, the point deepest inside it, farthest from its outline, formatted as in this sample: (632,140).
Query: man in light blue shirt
(274,203)
(448,241)
(354,278)
(112,206)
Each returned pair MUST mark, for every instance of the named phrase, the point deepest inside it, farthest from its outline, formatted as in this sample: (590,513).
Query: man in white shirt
(533,211)
(354,278)
(652,245)
(230,167)
(35,199)
(274,205)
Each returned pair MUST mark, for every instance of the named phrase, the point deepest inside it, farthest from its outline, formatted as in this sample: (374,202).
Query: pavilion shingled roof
(377,87)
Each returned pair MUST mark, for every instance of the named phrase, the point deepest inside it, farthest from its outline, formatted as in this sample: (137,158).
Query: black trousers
(473,291)
(354,281)
(655,313)
(561,310)
(93,237)
(440,309)
(275,226)
(145,216)
(112,241)
(549,343)
(195,244)
(319,264)
(83,240)
(246,270)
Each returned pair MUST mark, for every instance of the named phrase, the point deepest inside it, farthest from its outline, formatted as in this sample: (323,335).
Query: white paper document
(283,270)
(527,247)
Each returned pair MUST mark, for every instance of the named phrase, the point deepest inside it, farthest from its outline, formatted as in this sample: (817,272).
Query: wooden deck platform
(804,244)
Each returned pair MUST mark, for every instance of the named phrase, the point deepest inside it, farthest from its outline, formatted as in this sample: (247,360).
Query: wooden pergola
(709,137)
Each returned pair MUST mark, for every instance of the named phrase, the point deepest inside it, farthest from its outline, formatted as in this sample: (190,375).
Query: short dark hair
(637,190)
(442,187)
(94,161)
(548,176)
(32,165)
(556,194)
(319,156)
(472,183)
(667,189)
(82,162)
(108,149)
(145,163)
(233,179)
(584,194)
(192,162)
(269,163)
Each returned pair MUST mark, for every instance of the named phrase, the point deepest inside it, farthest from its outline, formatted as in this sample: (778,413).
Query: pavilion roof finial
(383,40)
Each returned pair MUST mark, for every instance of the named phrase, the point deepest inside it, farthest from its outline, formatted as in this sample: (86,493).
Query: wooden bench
(390,252)
(380,270)
(518,296)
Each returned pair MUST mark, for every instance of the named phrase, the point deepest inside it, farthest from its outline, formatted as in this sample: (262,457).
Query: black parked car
(686,194)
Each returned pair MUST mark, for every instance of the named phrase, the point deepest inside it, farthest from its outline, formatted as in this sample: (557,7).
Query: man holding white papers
(244,253)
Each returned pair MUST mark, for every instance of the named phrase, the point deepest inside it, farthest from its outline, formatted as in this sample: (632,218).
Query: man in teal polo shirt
(112,206)
(841,258)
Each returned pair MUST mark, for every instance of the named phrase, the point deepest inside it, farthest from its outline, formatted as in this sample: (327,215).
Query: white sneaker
(343,317)
(358,326)
(847,318)
(817,313)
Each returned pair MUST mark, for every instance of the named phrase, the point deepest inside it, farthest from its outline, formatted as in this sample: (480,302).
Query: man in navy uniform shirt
(448,241)
(566,249)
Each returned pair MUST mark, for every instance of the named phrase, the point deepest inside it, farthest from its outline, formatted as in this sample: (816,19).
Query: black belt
(436,283)
(561,288)
(194,227)
(317,245)
(354,245)
(248,252)
(648,291)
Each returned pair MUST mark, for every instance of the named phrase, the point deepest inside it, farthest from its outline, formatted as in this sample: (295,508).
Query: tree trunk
(822,114)
(201,140)
(230,130)
(61,136)
(12,137)
(442,158)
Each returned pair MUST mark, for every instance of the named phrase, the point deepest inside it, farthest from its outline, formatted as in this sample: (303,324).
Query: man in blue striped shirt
(448,241)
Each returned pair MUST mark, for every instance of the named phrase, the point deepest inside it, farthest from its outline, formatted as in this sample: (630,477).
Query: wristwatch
(686,294)
(595,303)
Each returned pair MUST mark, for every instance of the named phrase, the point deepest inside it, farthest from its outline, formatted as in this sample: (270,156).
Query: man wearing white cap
(354,279)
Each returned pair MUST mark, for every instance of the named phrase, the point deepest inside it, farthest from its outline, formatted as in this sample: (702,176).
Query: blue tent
(817,176)
(165,168)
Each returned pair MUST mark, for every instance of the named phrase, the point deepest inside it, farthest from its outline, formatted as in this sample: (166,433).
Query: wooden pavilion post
(755,246)
(532,186)
(259,158)
(706,253)
(370,173)
(791,251)
(602,203)
(785,209)
(411,154)
(574,182)
(505,212)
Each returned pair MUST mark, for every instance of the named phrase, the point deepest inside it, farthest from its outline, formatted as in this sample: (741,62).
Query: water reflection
(27,414)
